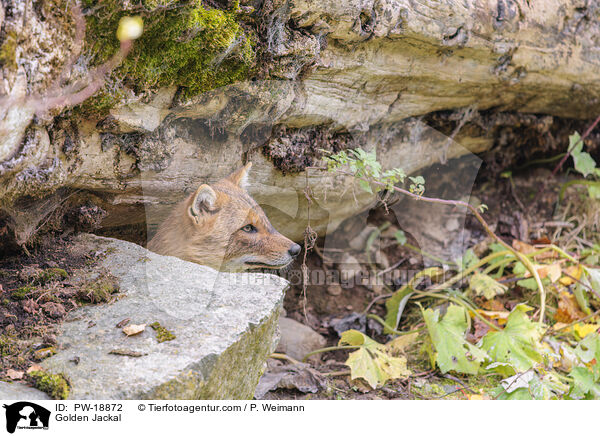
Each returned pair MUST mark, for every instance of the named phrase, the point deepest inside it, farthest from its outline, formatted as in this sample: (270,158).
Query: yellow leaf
(585,329)
(371,361)
(573,271)
(401,343)
(499,315)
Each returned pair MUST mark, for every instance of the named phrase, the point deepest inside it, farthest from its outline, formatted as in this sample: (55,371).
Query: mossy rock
(183,43)
(54,385)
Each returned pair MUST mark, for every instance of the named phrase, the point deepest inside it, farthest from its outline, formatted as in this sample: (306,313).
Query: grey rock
(18,391)
(225,327)
(297,340)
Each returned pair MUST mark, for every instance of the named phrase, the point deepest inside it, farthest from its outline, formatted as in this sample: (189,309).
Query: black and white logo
(26,415)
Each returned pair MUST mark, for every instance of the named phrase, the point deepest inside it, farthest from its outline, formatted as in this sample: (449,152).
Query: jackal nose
(294,250)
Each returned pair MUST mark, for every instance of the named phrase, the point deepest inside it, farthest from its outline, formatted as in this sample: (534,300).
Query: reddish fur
(214,237)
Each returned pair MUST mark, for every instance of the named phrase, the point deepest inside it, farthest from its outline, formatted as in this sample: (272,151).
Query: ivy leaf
(452,351)
(516,344)
(482,284)
(584,162)
(372,360)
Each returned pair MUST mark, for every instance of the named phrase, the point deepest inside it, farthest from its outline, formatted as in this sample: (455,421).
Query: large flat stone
(225,326)
(17,391)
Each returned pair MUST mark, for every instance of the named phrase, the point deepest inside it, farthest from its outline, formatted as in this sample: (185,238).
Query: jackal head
(221,226)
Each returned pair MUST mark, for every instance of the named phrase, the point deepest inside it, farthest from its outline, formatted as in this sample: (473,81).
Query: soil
(37,291)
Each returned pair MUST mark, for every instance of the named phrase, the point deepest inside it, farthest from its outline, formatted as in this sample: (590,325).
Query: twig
(282,356)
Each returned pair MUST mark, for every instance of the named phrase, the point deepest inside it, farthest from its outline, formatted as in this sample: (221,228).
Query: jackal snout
(221,226)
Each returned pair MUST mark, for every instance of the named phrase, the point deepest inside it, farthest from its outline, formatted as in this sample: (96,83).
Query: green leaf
(365,186)
(584,163)
(530,284)
(400,237)
(581,296)
(372,360)
(593,277)
(453,352)
(468,260)
(395,306)
(516,344)
(594,190)
(482,284)
(588,349)
(584,384)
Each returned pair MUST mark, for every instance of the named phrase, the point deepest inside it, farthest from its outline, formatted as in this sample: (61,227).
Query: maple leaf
(515,345)
(372,361)
(452,351)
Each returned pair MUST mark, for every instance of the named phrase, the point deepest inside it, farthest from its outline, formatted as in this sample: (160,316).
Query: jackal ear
(240,177)
(204,200)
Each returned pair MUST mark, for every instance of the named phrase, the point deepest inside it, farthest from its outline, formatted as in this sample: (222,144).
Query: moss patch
(8,51)
(162,334)
(50,275)
(54,385)
(101,290)
(21,293)
(183,44)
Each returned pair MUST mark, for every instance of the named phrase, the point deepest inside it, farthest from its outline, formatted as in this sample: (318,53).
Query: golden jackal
(221,226)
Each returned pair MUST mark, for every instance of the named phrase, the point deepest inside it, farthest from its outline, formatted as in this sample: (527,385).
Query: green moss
(99,291)
(8,51)
(183,44)
(54,385)
(8,347)
(50,275)
(21,293)
(162,334)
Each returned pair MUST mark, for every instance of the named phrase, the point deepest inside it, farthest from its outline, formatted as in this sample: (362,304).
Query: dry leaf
(123,323)
(34,367)
(523,247)
(134,329)
(14,374)
(553,272)
(568,309)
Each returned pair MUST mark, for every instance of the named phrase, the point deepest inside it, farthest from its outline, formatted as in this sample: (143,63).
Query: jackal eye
(249,228)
